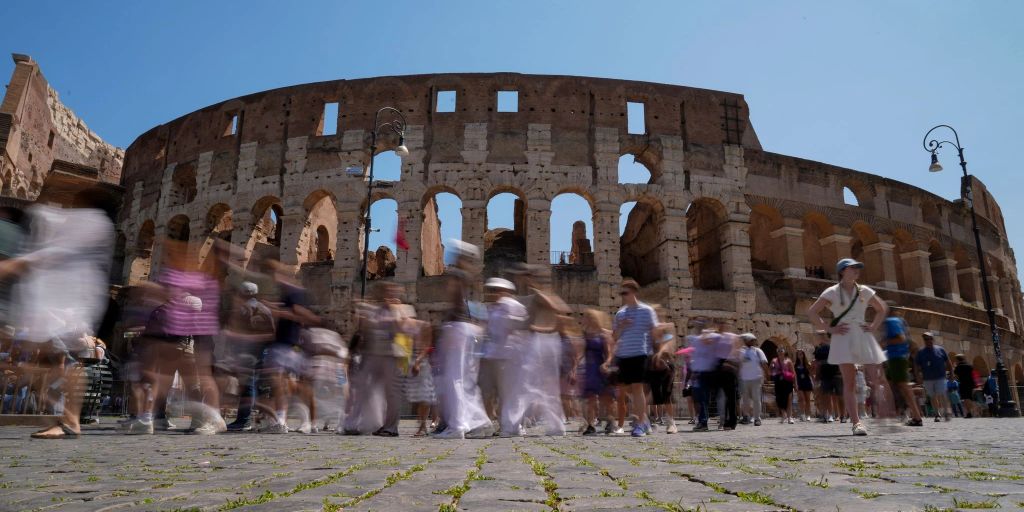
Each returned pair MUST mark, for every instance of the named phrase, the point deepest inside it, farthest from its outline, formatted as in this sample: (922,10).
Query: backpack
(257,318)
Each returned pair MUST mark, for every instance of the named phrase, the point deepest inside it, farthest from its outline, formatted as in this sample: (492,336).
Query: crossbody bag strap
(836,320)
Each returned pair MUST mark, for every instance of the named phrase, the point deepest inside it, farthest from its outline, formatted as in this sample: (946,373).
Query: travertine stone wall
(769,224)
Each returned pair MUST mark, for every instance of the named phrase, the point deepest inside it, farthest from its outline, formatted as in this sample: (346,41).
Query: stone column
(834,248)
(538,231)
(293,222)
(946,271)
(735,254)
(348,257)
(675,263)
(790,247)
(879,265)
(970,285)
(409,261)
(1009,308)
(607,254)
(997,298)
(159,236)
(917,271)
(474,222)
(241,235)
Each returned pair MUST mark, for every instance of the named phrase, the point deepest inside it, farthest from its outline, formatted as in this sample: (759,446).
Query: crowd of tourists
(508,358)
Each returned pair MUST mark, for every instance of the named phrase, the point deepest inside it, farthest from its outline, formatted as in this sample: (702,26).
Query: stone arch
(940,277)
(432,249)
(863,192)
(265,235)
(705,222)
(771,347)
(382,261)
(636,169)
(218,227)
(816,227)
(967,275)
(142,262)
(765,249)
(321,220)
(183,189)
(178,228)
(864,237)
(906,275)
(574,247)
(505,238)
(641,244)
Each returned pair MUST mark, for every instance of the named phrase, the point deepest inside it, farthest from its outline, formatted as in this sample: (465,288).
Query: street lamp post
(1007,407)
(396,126)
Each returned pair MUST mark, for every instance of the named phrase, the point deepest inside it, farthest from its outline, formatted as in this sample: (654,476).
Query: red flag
(400,241)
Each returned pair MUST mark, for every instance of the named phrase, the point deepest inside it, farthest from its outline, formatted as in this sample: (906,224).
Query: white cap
(248,288)
(194,303)
(500,284)
(465,249)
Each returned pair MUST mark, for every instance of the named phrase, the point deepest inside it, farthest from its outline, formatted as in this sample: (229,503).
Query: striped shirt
(635,339)
(180,320)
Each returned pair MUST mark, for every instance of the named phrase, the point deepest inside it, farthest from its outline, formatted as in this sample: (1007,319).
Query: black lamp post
(396,126)
(1007,407)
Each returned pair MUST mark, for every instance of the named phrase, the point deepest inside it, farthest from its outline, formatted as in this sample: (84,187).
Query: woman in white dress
(852,340)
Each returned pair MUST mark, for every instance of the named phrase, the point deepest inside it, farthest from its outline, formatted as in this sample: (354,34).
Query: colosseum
(722,228)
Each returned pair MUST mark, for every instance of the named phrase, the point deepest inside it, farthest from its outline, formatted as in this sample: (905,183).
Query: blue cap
(846,263)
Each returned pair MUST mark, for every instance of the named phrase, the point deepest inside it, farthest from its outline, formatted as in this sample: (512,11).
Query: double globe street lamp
(1007,407)
(395,126)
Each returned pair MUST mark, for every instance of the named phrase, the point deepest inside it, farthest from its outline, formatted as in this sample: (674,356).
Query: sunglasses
(625,292)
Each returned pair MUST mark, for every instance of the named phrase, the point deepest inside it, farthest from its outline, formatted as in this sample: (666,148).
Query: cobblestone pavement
(967,463)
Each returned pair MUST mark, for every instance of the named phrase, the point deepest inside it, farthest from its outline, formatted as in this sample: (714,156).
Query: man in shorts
(633,330)
(753,370)
(932,363)
(897,366)
(829,382)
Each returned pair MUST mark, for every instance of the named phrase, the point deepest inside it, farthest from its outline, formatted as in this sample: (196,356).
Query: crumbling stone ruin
(722,228)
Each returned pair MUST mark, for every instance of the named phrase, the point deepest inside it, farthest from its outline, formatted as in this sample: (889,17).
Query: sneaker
(691,421)
(915,423)
(163,424)
(860,430)
(381,433)
(703,427)
(207,429)
(609,427)
(937,419)
(842,420)
(744,421)
(671,428)
(757,422)
(590,431)
(830,419)
(305,428)
(136,427)
(237,426)
(276,428)
(790,421)
(450,433)
(638,431)
(648,428)
(618,432)
(485,432)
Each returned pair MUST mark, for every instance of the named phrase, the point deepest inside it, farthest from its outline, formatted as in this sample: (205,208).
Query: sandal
(65,433)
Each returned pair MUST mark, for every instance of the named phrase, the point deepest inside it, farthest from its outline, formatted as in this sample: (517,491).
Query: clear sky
(854,84)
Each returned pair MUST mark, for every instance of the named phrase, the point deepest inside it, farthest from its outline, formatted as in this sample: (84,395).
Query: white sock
(282,417)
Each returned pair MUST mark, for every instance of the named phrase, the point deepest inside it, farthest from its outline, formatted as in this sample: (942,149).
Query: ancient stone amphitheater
(722,228)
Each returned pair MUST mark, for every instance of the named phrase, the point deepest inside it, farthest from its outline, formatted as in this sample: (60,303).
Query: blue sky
(854,84)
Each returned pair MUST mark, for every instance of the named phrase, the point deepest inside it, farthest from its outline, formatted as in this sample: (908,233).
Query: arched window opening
(505,239)
(442,221)
(765,251)
(705,221)
(143,259)
(967,276)
(382,260)
(849,197)
(632,171)
(316,240)
(640,241)
(815,228)
(183,188)
(940,274)
(572,230)
(178,228)
(322,245)
(387,166)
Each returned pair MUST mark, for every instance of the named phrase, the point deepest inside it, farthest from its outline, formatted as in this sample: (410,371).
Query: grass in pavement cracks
(458,490)
(540,469)
(269,495)
(958,503)
(391,479)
